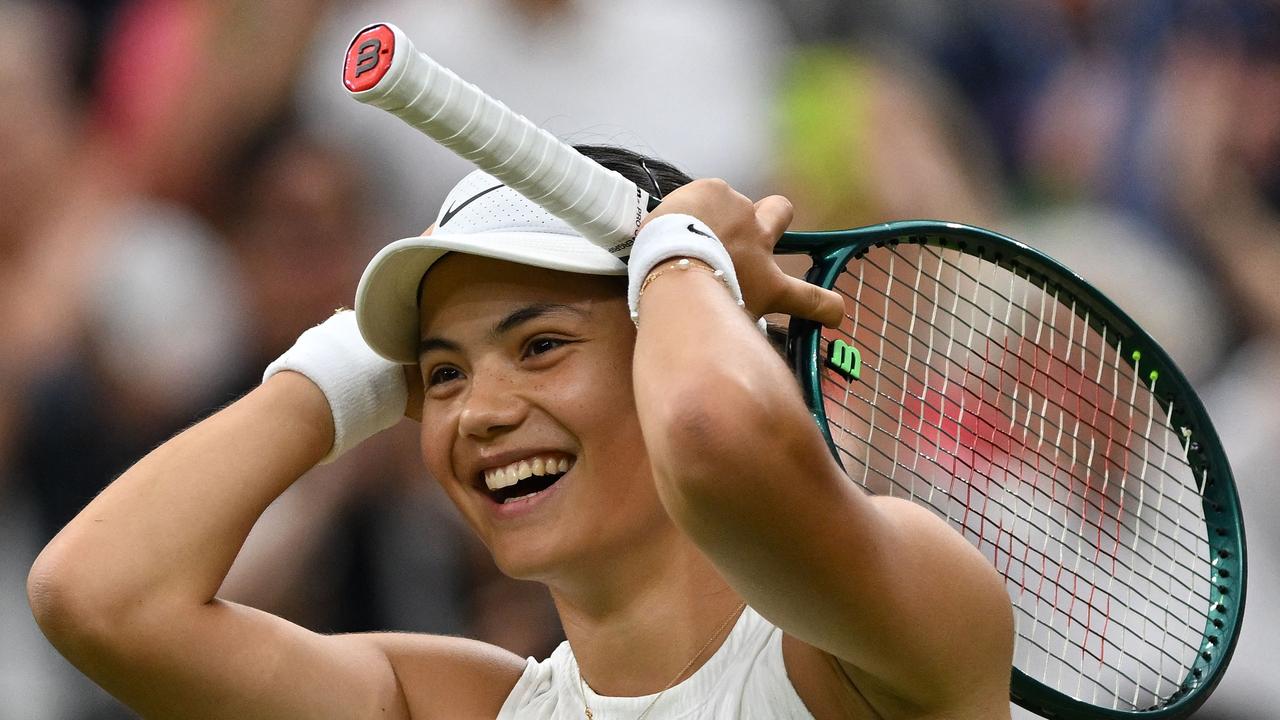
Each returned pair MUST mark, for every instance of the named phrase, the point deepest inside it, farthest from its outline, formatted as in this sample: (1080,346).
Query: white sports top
(744,680)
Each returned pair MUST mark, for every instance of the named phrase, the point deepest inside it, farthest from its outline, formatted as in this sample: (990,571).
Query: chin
(539,561)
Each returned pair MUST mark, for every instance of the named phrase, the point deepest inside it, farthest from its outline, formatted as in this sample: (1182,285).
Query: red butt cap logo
(368,58)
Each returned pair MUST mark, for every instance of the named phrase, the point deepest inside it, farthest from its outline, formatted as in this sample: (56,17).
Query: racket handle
(382,68)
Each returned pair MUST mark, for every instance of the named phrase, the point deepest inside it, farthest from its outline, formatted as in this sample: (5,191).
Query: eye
(542,345)
(441,374)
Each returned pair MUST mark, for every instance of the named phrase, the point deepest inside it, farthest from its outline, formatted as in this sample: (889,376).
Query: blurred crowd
(185,187)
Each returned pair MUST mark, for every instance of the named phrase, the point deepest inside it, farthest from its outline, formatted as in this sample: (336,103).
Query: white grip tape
(605,207)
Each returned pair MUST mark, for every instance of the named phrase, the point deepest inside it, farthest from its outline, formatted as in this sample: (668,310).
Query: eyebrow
(532,312)
(513,320)
(436,343)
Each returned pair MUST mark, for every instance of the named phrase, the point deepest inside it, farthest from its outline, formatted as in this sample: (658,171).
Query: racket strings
(917,429)
(1044,557)
(1017,417)
(909,488)
(935,408)
(996,390)
(1033,556)
(990,384)
(968,500)
(1047,518)
(908,331)
(1009,301)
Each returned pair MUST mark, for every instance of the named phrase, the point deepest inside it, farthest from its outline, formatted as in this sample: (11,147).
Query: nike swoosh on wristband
(448,214)
(695,231)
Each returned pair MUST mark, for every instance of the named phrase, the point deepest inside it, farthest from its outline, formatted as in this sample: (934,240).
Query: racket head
(969,422)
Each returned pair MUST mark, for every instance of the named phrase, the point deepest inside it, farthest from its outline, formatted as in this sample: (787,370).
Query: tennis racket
(976,376)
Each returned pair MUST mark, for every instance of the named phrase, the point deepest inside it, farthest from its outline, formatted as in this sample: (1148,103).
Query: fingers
(711,200)
(806,300)
(774,214)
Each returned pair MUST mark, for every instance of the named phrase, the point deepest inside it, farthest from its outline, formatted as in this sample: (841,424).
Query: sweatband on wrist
(366,393)
(676,236)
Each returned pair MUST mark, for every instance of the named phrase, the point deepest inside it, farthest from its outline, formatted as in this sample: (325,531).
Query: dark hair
(654,176)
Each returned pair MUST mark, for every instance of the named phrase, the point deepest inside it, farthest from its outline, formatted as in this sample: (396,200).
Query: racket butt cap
(372,55)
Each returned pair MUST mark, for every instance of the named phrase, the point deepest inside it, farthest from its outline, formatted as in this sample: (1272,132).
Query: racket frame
(832,250)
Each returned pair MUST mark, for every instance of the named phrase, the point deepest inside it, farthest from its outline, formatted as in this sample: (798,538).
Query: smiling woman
(706,554)
(519,364)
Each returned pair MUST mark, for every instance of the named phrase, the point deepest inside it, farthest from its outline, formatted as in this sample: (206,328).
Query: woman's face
(527,374)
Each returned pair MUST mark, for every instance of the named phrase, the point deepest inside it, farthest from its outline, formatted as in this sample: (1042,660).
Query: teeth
(496,479)
(508,475)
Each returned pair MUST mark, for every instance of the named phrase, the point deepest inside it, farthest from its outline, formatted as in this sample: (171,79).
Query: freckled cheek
(434,447)
(598,408)
(616,385)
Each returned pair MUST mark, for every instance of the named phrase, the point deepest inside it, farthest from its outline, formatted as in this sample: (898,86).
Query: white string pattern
(1022,420)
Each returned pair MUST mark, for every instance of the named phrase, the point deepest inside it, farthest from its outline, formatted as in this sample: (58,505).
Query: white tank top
(745,680)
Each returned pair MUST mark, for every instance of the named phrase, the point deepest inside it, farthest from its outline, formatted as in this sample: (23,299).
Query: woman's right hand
(749,231)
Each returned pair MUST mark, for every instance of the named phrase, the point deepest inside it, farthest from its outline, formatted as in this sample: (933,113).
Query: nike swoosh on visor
(448,214)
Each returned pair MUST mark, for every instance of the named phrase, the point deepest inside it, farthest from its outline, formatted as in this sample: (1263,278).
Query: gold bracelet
(682,264)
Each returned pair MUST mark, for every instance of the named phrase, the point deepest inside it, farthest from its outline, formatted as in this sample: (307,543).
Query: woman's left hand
(749,231)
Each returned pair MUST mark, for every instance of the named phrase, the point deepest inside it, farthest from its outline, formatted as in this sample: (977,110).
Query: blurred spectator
(298,223)
(49,200)
(181,84)
(875,135)
(1212,149)
(1213,145)
(163,333)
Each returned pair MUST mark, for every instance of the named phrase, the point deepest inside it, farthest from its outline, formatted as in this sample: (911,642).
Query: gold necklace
(725,623)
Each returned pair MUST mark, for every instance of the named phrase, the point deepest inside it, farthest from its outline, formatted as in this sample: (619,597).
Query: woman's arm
(907,604)
(126,590)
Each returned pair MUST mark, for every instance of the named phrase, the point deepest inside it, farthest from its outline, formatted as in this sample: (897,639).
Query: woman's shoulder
(445,676)
(541,690)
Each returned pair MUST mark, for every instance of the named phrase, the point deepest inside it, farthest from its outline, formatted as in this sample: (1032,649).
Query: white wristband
(366,393)
(672,236)
(682,236)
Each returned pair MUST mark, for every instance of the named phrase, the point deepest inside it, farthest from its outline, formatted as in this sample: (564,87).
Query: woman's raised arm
(915,614)
(127,590)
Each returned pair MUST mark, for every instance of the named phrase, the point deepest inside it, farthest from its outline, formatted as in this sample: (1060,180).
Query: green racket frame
(831,250)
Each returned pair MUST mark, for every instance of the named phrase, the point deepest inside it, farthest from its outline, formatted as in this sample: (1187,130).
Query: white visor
(480,216)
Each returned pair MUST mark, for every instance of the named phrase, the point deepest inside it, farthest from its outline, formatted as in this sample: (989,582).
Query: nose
(491,406)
